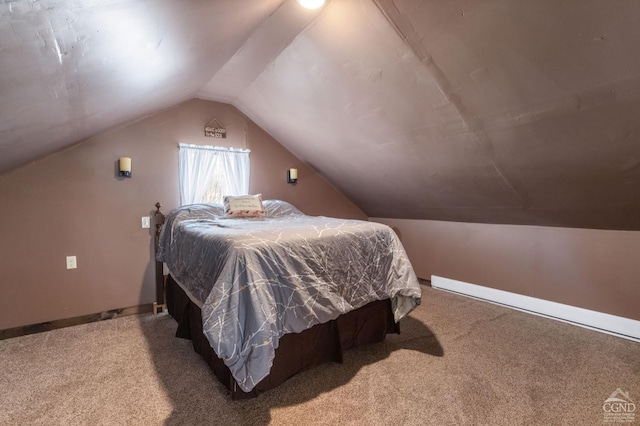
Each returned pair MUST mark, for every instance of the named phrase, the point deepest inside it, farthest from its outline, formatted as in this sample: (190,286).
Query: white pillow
(243,206)
(279,208)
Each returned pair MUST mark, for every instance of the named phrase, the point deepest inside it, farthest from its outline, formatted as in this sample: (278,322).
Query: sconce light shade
(124,166)
(311,4)
(292,176)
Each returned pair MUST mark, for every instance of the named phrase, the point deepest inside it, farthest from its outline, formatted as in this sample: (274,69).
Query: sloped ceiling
(70,69)
(480,111)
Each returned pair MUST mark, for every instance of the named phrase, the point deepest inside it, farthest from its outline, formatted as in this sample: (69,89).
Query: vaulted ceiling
(481,111)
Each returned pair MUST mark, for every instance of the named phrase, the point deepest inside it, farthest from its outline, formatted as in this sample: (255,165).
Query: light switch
(146,222)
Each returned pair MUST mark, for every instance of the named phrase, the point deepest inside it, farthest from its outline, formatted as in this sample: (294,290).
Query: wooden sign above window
(215,132)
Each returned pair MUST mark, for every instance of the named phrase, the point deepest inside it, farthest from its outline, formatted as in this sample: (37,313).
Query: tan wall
(591,269)
(71,203)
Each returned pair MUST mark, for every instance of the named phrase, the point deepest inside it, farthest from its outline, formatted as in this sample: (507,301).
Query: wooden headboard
(159,304)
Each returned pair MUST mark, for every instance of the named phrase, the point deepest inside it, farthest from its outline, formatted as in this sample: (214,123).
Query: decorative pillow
(243,206)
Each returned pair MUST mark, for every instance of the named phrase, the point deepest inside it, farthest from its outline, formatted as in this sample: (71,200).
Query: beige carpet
(458,361)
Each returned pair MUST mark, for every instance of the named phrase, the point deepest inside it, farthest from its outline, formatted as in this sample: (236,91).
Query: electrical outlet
(146,222)
(72,262)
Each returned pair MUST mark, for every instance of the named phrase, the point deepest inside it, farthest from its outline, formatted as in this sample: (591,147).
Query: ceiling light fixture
(311,4)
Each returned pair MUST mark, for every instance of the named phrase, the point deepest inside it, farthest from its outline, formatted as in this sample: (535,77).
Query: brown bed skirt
(296,352)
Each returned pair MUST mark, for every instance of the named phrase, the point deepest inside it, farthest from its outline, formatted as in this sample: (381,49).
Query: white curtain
(197,165)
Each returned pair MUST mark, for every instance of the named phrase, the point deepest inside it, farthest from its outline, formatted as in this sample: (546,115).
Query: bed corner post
(159,305)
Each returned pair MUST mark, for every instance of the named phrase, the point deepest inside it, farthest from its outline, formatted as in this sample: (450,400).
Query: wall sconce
(292,176)
(311,4)
(124,167)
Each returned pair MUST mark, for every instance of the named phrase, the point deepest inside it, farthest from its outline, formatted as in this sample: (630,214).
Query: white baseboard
(598,321)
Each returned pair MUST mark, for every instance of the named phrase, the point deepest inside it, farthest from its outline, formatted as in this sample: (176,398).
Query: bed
(265,296)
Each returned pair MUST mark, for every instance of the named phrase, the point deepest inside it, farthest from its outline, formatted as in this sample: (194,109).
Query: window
(209,172)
